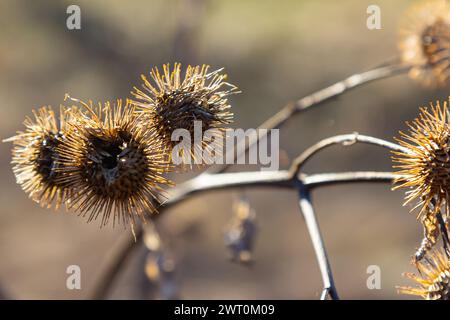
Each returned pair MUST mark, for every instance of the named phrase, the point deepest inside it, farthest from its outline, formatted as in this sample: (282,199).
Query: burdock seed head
(425,169)
(173,102)
(114,163)
(434,279)
(35,156)
(425,42)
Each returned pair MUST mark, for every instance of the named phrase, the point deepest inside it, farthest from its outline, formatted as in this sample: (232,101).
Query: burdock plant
(172,101)
(425,168)
(110,160)
(35,157)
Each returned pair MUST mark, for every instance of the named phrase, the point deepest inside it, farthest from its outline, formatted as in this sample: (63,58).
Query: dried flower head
(425,170)
(115,165)
(35,156)
(425,42)
(434,279)
(175,103)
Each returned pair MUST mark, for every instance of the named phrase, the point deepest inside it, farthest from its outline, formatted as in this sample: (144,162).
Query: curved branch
(211,182)
(345,139)
(315,99)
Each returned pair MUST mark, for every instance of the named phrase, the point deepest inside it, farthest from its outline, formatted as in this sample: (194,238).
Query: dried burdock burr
(172,101)
(35,157)
(116,165)
(425,169)
(425,42)
(434,278)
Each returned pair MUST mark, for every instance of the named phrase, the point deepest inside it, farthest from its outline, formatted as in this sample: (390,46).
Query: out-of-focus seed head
(425,42)
(173,102)
(241,231)
(434,279)
(35,157)
(115,164)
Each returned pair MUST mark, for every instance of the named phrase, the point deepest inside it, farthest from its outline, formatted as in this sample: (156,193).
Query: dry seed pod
(35,156)
(114,163)
(172,102)
(425,42)
(425,170)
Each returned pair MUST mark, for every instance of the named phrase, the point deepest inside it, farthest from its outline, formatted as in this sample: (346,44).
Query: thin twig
(317,241)
(204,183)
(345,139)
(284,178)
(327,179)
(315,99)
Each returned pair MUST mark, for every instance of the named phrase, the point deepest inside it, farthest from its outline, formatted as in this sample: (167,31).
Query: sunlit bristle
(115,164)
(425,42)
(434,279)
(172,102)
(35,157)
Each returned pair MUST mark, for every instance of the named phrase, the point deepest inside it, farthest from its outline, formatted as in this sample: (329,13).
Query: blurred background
(275,51)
